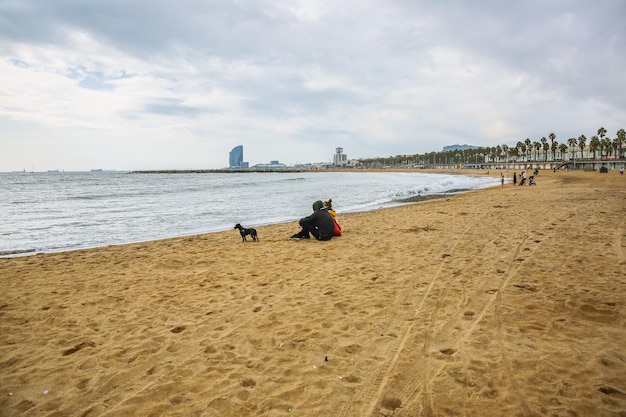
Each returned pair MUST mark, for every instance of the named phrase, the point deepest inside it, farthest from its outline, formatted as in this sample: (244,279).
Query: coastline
(488,302)
(112,210)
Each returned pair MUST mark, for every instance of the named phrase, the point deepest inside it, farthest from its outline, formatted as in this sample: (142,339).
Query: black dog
(244,232)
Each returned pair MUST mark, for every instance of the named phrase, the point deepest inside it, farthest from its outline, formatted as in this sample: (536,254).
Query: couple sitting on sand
(322,224)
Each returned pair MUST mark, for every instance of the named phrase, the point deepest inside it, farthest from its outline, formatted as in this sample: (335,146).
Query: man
(320,224)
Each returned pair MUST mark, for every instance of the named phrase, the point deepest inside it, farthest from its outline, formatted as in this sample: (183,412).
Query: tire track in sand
(413,389)
(455,333)
(418,374)
(417,380)
(392,351)
(485,297)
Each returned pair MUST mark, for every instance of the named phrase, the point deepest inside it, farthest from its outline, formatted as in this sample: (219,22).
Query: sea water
(59,211)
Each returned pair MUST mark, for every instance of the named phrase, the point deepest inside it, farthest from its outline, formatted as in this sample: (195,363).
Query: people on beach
(531,180)
(328,205)
(621,171)
(320,224)
(515,178)
(523,178)
(502,179)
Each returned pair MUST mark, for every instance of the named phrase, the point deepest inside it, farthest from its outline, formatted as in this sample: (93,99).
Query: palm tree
(536,147)
(582,141)
(617,148)
(601,132)
(619,141)
(594,144)
(552,136)
(553,147)
(572,144)
(562,149)
(527,142)
(521,147)
(607,145)
(493,153)
(514,152)
(544,146)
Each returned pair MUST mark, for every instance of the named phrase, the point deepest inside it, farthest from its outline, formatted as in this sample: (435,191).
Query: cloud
(162,84)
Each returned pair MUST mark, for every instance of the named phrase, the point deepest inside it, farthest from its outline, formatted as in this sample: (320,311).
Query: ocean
(62,211)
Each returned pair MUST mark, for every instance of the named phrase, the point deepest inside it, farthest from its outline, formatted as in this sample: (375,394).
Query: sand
(501,302)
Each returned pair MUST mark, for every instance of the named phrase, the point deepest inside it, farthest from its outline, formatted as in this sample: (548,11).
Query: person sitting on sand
(320,224)
(531,180)
(328,206)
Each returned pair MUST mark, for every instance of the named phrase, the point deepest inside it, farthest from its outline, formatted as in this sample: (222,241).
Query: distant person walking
(515,178)
(502,179)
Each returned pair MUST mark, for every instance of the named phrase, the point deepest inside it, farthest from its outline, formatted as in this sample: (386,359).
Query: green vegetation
(600,148)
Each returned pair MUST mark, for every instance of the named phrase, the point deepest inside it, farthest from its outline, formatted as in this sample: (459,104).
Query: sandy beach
(508,301)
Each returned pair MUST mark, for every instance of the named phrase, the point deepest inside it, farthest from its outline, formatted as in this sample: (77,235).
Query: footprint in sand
(391,403)
(608,390)
(78,347)
(248,383)
(592,313)
(178,329)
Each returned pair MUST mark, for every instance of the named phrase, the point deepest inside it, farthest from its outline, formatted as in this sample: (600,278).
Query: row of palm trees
(524,151)
(577,146)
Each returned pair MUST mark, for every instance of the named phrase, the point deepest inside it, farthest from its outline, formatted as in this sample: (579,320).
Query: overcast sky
(161,84)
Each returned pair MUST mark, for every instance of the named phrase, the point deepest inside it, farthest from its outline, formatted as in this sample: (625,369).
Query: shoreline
(395,203)
(489,302)
(82,241)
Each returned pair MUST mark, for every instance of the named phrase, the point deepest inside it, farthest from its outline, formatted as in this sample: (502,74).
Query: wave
(67,215)
(17,252)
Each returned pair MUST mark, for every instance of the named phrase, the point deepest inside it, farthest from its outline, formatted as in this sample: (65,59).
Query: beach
(503,301)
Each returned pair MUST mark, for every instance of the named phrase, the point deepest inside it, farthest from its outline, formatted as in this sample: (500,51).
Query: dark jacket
(322,221)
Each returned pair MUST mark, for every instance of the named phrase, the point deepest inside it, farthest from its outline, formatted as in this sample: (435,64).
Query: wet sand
(506,301)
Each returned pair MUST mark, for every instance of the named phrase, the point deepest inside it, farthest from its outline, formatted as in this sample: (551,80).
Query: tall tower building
(339,158)
(235,159)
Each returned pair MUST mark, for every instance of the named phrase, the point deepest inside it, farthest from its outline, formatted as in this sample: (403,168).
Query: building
(339,158)
(273,165)
(235,159)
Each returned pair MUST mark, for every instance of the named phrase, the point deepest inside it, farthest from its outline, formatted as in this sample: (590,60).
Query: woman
(328,206)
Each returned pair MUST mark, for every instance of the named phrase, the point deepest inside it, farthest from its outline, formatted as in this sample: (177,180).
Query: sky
(160,84)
